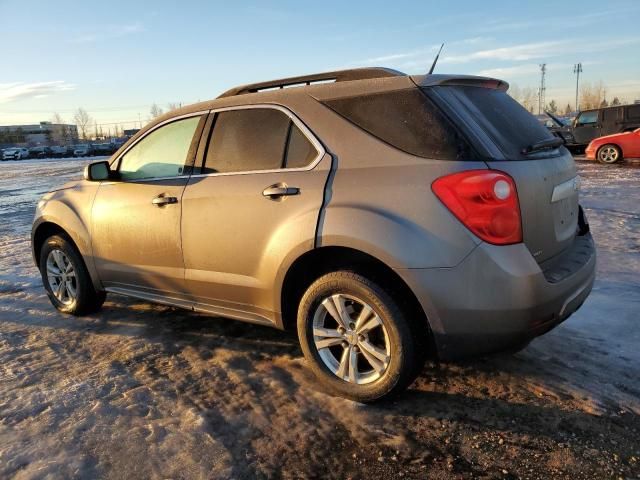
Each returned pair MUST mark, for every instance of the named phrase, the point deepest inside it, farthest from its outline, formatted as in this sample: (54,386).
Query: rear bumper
(499,298)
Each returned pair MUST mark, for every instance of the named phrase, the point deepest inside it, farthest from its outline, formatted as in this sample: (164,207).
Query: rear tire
(66,279)
(356,339)
(609,154)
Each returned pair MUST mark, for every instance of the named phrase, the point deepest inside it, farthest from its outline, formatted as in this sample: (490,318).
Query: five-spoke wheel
(609,154)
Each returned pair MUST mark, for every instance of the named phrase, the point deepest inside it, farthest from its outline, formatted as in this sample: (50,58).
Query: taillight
(485,201)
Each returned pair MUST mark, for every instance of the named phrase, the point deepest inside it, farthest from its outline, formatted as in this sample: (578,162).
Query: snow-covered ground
(139,390)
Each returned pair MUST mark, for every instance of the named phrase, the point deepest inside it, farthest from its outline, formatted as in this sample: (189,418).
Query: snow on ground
(146,391)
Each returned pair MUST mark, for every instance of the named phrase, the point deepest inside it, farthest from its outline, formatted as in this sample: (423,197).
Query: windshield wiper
(542,145)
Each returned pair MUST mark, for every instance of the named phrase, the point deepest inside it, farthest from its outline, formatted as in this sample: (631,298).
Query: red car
(611,148)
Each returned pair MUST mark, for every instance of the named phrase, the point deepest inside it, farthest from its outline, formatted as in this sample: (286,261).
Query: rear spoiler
(461,80)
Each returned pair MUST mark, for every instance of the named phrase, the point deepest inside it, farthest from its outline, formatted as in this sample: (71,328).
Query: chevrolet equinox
(387,217)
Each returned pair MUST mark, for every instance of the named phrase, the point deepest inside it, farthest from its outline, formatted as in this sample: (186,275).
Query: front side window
(256,139)
(588,118)
(162,153)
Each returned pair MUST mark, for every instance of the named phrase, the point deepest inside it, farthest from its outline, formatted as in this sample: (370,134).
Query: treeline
(591,95)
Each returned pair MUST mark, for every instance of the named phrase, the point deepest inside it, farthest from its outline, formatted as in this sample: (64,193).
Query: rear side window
(300,151)
(256,139)
(633,111)
(405,119)
(248,139)
(511,127)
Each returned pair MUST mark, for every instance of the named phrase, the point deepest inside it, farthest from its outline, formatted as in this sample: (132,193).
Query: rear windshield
(511,127)
(407,120)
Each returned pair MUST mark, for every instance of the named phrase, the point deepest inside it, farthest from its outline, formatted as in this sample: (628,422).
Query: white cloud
(10,92)
(109,32)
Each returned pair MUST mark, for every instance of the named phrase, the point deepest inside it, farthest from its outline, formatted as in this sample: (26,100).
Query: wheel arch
(615,144)
(45,229)
(314,263)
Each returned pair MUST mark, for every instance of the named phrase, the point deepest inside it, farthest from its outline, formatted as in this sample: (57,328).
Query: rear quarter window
(405,119)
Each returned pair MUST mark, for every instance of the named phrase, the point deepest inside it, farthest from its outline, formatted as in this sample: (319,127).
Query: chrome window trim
(117,160)
(298,123)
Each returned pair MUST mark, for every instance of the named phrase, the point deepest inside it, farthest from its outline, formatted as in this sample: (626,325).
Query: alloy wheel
(61,276)
(608,154)
(351,339)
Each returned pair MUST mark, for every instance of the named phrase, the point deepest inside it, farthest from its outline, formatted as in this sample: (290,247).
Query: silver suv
(385,216)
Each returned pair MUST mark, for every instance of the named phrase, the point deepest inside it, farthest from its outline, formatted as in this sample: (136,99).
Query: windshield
(511,127)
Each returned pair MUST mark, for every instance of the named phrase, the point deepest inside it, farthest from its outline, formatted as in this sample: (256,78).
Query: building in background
(44,133)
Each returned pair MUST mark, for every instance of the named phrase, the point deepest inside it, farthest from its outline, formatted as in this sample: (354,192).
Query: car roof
(322,86)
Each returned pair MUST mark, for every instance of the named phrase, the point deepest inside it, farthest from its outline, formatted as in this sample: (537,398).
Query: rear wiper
(542,145)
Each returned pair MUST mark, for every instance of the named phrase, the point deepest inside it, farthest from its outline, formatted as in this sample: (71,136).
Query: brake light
(485,201)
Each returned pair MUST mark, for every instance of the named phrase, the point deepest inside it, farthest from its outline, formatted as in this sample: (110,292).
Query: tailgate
(548,195)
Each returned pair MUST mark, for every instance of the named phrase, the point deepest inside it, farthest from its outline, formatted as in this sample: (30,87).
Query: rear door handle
(280,190)
(161,200)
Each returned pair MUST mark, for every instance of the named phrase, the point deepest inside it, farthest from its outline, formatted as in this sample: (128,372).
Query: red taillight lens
(485,201)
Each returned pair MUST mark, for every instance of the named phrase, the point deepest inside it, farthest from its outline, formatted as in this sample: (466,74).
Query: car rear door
(611,120)
(253,207)
(135,229)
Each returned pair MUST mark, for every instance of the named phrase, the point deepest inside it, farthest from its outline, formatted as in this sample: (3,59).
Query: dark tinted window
(244,140)
(509,124)
(300,151)
(406,119)
(633,111)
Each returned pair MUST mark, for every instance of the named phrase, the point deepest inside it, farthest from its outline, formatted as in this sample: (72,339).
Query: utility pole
(543,87)
(577,69)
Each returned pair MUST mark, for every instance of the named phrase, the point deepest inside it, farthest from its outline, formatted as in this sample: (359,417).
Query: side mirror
(97,171)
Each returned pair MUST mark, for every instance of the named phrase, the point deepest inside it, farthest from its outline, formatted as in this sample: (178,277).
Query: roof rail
(336,76)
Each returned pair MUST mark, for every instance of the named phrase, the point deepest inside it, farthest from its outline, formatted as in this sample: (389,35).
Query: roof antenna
(435,60)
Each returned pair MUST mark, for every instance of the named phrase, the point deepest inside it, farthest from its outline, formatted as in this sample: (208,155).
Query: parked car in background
(15,154)
(103,148)
(83,150)
(61,151)
(558,128)
(591,124)
(40,152)
(613,148)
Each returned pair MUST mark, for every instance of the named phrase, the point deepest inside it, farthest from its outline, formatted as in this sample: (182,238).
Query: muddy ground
(144,391)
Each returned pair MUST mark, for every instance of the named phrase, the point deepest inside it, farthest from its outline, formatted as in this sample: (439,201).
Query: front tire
(66,279)
(356,338)
(609,154)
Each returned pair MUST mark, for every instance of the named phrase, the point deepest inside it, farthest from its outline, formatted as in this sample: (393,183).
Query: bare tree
(57,119)
(529,98)
(591,95)
(156,111)
(173,106)
(82,119)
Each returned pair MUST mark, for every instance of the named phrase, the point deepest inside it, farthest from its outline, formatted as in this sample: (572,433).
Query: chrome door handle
(161,200)
(280,190)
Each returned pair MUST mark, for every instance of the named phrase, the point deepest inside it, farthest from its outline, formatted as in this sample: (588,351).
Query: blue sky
(116,58)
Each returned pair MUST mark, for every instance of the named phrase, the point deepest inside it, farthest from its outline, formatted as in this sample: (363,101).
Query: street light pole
(577,69)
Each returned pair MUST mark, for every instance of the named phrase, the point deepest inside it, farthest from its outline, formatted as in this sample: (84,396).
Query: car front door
(586,127)
(136,217)
(253,207)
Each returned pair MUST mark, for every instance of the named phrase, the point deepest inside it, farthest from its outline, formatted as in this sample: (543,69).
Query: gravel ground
(145,391)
